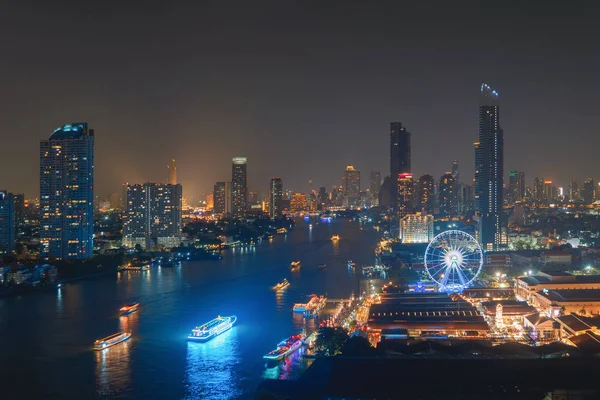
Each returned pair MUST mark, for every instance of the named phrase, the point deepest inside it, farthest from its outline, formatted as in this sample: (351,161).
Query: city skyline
(202,96)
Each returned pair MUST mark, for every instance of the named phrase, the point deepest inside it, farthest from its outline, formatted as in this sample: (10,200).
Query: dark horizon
(300,89)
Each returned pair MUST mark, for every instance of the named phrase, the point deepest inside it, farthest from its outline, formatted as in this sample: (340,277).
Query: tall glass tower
(399,158)
(67,193)
(239,187)
(489,172)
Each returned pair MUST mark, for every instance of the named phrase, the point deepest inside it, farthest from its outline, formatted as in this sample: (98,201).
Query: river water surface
(47,336)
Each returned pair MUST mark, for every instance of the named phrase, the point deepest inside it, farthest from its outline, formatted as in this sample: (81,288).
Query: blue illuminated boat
(209,330)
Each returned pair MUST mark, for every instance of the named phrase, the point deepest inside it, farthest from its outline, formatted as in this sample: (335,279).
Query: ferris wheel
(453,260)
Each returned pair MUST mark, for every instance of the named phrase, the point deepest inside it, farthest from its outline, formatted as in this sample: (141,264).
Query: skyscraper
(399,150)
(153,215)
(425,199)
(7,222)
(219,197)
(538,189)
(587,193)
(455,171)
(239,187)
(172,172)
(516,186)
(448,195)
(374,186)
(399,157)
(574,191)
(275,197)
(405,194)
(489,172)
(67,193)
(352,186)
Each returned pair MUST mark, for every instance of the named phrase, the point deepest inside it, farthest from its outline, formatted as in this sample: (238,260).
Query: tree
(330,340)
(138,248)
(357,346)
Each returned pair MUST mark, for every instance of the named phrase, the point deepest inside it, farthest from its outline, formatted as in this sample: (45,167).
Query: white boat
(111,340)
(285,348)
(211,329)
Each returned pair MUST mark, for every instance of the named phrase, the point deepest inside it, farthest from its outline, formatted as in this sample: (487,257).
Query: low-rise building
(567,301)
(527,286)
(541,326)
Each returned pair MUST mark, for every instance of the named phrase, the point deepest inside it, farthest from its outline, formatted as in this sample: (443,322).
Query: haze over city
(301,89)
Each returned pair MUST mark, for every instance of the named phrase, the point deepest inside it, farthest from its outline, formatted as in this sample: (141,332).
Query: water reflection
(59,300)
(210,369)
(280,299)
(112,369)
(129,323)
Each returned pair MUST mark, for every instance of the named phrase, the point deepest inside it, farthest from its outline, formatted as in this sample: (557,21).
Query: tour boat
(335,238)
(209,330)
(282,285)
(303,307)
(295,265)
(285,348)
(111,340)
(129,308)
(322,266)
(351,264)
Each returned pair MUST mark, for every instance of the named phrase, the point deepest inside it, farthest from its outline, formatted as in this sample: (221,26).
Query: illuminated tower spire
(172,172)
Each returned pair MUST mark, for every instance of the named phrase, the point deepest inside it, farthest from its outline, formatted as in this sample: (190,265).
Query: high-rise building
(19,202)
(352,186)
(7,222)
(416,228)
(400,157)
(323,203)
(588,191)
(548,192)
(455,172)
(275,197)
(405,194)
(172,172)
(574,191)
(153,215)
(219,198)
(516,186)
(374,186)
(425,196)
(399,150)
(489,173)
(538,189)
(67,193)
(298,202)
(239,187)
(448,195)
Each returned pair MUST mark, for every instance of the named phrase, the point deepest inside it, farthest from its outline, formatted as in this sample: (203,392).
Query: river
(47,336)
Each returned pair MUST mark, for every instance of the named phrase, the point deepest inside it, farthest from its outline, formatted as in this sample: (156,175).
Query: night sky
(301,88)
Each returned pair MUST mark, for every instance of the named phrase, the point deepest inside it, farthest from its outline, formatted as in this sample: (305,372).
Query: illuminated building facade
(220,198)
(275,197)
(7,222)
(548,192)
(448,197)
(489,173)
(425,196)
(298,202)
(67,193)
(239,187)
(405,194)
(153,215)
(374,186)
(416,228)
(352,186)
(172,172)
